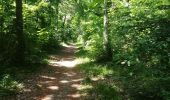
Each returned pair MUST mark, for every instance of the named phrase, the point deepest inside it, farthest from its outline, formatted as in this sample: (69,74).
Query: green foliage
(46,40)
(139,31)
(103,91)
(94,47)
(94,70)
(9,86)
(101,87)
(7,36)
(7,50)
(140,42)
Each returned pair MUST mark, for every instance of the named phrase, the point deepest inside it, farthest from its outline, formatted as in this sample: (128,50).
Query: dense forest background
(126,41)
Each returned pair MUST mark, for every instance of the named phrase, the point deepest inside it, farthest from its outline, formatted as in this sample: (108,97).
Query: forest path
(60,80)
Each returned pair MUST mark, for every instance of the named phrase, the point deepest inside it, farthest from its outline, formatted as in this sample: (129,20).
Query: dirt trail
(60,80)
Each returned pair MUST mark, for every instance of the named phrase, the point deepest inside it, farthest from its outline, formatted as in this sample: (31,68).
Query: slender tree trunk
(19,57)
(63,28)
(106,39)
(64,21)
(57,14)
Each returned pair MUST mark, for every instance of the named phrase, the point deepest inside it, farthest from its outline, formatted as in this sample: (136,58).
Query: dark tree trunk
(19,57)
(106,38)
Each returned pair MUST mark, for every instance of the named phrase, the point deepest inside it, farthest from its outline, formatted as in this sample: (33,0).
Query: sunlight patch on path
(48,97)
(74,95)
(77,86)
(48,77)
(70,74)
(53,87)
(64,81)
(68,64)
(77,80)
(68,46)
(63,63)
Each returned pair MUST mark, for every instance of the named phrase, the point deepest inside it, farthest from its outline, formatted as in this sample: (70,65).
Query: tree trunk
(57,14)
(63,28)
(106,39)
(19,57)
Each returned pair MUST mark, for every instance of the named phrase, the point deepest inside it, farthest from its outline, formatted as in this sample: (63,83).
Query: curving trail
(60,80)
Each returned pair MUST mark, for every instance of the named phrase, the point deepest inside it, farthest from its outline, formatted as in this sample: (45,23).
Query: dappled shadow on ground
(60,80)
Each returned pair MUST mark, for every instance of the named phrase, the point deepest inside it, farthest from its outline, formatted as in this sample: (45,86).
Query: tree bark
(57,14)
(106,38)
(19,57)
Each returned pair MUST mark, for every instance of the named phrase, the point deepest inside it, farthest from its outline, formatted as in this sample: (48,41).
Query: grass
(103,80)
(112,81)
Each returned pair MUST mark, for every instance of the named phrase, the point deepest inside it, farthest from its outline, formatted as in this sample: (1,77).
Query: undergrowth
(114,81)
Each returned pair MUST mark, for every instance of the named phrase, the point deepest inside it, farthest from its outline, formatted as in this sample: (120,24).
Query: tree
(57,12)
(106,39)
(19,57)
